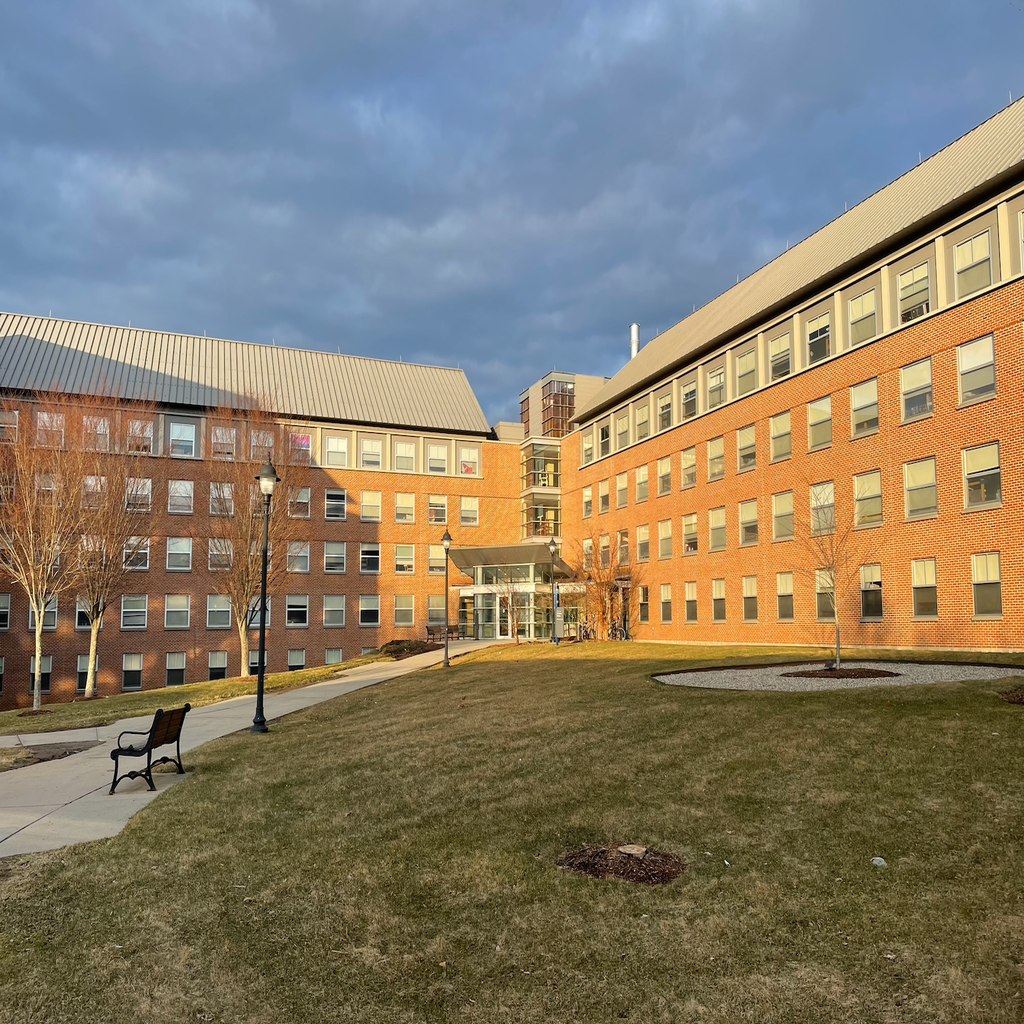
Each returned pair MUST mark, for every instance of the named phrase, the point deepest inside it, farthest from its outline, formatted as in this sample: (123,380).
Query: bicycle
(586,631)
(617,632)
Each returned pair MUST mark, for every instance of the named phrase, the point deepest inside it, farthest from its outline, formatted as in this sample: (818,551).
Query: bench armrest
(130,733)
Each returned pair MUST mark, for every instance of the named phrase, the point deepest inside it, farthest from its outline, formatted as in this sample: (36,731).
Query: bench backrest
(166,726)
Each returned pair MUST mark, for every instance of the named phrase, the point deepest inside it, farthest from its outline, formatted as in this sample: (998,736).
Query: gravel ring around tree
(770,677)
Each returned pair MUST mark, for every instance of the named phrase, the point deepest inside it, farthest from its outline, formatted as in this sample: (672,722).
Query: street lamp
(446,540)
(268,480)
(554,594)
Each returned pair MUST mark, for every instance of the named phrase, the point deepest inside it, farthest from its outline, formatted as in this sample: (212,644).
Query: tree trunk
(37,682)
(243,643)
(94,636)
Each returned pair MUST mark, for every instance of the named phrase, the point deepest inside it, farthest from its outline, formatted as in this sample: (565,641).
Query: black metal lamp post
(268,480)
(552,547)
(446,540)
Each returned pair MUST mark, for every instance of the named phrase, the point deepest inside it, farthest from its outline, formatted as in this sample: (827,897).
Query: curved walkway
(57,803)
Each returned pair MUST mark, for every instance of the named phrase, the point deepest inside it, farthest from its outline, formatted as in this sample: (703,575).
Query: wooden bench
(435,634)
(166,728)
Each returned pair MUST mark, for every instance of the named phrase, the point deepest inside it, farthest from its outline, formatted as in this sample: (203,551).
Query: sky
(502,186)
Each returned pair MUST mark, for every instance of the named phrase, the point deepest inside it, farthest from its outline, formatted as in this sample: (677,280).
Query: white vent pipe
(634,340)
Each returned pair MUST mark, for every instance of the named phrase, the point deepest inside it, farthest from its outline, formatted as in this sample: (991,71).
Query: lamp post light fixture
(552,547)
(446,540)
(268,480)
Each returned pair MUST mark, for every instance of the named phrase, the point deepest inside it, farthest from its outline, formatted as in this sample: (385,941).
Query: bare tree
(509,587)
(609,581)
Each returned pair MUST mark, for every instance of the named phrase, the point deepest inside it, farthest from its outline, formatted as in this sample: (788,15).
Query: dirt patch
(629,862)
(402,649)
(842,673)
(32,714)
(1014,696)
(21,757)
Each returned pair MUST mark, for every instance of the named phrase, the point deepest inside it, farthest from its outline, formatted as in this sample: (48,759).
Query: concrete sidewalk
(57,803)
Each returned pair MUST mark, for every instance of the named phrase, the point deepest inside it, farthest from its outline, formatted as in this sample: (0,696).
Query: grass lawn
(401,868)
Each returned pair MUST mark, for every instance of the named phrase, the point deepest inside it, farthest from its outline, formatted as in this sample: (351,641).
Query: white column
(941,300)
(1005,257)
(840,320)
(885,297)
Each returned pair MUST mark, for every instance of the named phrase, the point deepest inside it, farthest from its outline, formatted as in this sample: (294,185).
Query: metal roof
(535,552)
(68,357)
(989,153)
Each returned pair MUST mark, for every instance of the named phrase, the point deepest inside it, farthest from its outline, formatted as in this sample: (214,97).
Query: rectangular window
(296,661)
(369,559)
(261,446)
(862,318)
(83,671)
(298,449)
(334,556)
(334,611)
(45,673)
(916,390)
(298,556)
(140,437)
(824,590)
(218,612)
(690,542)
(716,458)
(643,422)
(691,601)
(297,611)
(405,612)
(435,609)
(94,489)
(131,672)
(222,442)
(782,516)
(718,600)
(177,611)
(688,398)
(746,448)
(50,429)
(914,293)
(254,661)
(369,610)
(436,558)
(973,265)
(748,522)
(926,602)
(136,554)
(716,529)
(469,461)
(784,592)
(688,466)
(716,387)
(96,433)
(781,363)
(469,511)
(823,507)
(988,589)
(665,539)
(298,502)
(603,496)
(336,451)
(982,479)
(179,554)
(8,428)
(604,439)
(976,362)
(587,448)
(49,616)
(5,611)
(333,656)
(871,591)
(335,505)
(405,508)
(664,476)
(405,559)
(782,436)
(750,599)
(253,621)
(666,602)
(641,483)
(645,605)
(218,665)
(819,338)
(180,494)
(138,495)
(437,458)
(176,668)
(369,506)
(405,456)
(370,449)
(867,494)
(222,499)
(622,490)
(864,408)
(588,554)
(622,432)
(182,441)
(604,548)
(623,546)
(437,508)
(643,543)
(819,423)
(664,412)
(588,501)
(920,490)
(746,372)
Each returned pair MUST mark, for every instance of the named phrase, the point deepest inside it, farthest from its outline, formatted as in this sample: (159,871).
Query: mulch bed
(30,713)
(843,673)
(653,867)
(1014,696)
(402,649)
(45,752)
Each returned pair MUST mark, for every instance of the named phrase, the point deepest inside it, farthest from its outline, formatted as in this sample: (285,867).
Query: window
(718,600)
(604,547)
(823,508)
(824,589)
(8,429)
(46,488)
(469,512)
(182,441)
(588,502)
(50,429)
(664,476)
(587,447)
(437,557)
(369,558)
(405,508)
(221,554)
(665,412)
(782,437)
(333,656)
(748,522)
(716,529)
(819,423)
(716,387)
(588,554)
(746,372)
(254,661)
(688,398)
(691,601)
(623,543)
(405,613)
(782,516)
(603,497)
(180,496)
(335,505)
(261,446)
(49,616)
(622,490)
(862,318)
(336,451)
(296,661)
(916,390)
(982,480)
(641,483)
(179,554)
(218,612)
(665,539)
(131,672)
(645,605)
(369,453)
(716,458)
(97,433)
(405,559)
(253,619)
(437,509)
(299,449)
(177,611)
(45,672)
(643,543)
(298,502)
(604,439)
(369,506)
(746,448)
(643,422)
(176,668)
(973,265)
(297,611)
(469,461)
(218,665)
(83,671)
(690,543)
(369,610)
(136,554)
(780,356)
(334,611)
(222,442)
(334,556)
(926,603)
(871,591)
(622,432)
(920,491)
(94,489)
(867,494)
(298,556)
(864,408)
(437,458)
(784,592)
(750,599)
(222,499)
(666,602)
(988,591)
(5,611)
(819,338)
(435,610)
(914,293)
(688,464)
(976,362)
